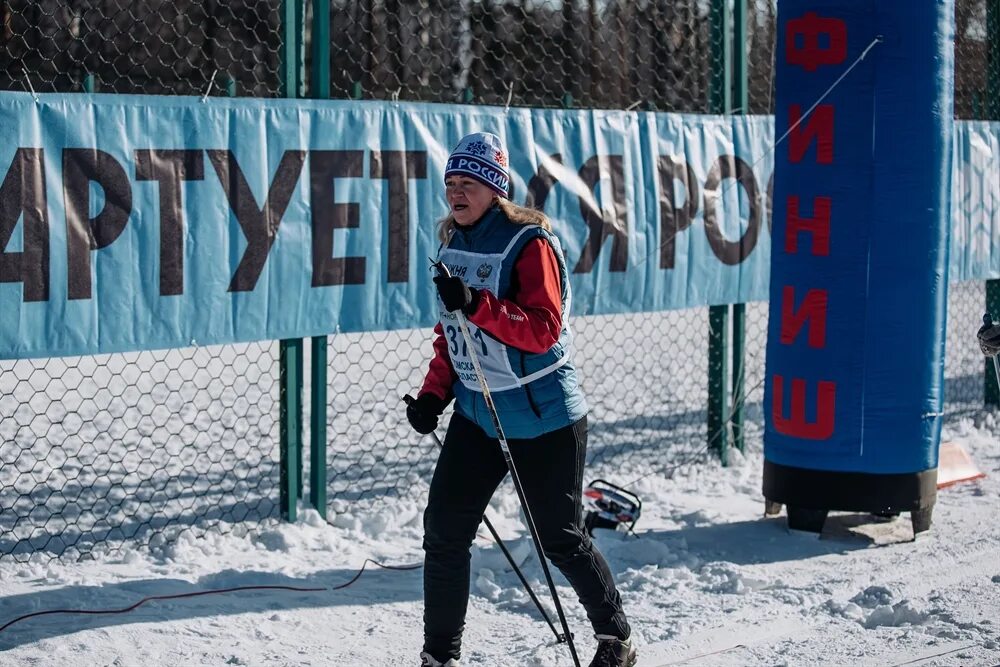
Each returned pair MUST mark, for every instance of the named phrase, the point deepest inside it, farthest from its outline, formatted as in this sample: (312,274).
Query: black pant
(470,467)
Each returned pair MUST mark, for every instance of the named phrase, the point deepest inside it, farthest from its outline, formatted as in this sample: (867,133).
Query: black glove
(989,337)
(423,412)
(456,295)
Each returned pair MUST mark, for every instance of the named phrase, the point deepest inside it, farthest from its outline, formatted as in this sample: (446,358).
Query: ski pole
(470,346)
(503,547)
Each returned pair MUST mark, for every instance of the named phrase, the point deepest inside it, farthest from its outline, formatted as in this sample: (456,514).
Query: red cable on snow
(214,591)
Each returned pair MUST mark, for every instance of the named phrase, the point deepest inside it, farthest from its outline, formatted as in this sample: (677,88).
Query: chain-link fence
(619,54)
(761,39)
(535,53)
(95,450)
(98,449)
(645,377)
(971,60)
(170,47)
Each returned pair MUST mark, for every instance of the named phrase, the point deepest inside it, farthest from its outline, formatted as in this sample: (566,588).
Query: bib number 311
(456,342)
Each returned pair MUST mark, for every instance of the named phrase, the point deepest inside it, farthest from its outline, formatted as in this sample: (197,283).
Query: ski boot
(427,660)
(613,652)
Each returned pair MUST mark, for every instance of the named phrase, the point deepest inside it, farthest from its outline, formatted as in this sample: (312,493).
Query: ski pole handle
(441,268)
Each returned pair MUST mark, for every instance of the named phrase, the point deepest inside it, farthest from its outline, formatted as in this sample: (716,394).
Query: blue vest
(533,393)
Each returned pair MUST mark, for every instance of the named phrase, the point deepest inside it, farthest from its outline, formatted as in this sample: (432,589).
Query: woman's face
(468,198)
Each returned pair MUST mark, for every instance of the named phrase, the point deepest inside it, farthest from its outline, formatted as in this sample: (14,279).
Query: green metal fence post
(991,393)
(721,85)
(317,426)
(292,54)
(742,100)
(319,80)
(720,101)
(718,369)
(741,71)
(290,382)
(290,351)
(739,372)
(89,83)
(319,75)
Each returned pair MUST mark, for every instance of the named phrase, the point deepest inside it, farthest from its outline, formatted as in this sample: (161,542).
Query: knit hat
(481,156)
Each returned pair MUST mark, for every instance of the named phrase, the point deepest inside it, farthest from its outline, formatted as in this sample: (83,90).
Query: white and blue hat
(481,156)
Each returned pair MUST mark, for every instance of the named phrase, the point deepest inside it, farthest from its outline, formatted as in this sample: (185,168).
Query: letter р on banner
(858,283)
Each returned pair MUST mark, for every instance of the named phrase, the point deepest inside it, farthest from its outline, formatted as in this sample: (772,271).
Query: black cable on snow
(213,591)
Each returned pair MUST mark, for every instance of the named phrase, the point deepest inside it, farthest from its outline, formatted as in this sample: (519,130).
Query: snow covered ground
(707,581)
(157,444)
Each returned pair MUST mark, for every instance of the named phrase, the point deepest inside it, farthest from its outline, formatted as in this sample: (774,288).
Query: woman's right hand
(423,412)
(456,295)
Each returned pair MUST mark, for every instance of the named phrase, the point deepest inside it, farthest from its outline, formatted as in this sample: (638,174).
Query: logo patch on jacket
(484,271)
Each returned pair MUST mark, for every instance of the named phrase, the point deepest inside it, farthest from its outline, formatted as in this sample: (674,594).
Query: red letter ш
(802,43)
(818,226)
(796,425)
(813,310)
(818,127)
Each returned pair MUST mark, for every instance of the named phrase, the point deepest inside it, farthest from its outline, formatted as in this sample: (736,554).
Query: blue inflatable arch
(855,351)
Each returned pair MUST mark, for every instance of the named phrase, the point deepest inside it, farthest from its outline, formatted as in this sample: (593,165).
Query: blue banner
(134,222)
(131,222)
(975,202)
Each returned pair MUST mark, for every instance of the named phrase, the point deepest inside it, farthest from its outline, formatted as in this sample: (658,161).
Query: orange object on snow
(955,465)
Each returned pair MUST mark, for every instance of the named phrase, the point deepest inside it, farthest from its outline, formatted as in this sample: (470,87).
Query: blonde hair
(519,215)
